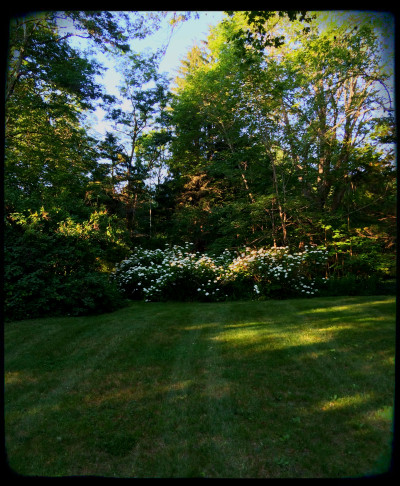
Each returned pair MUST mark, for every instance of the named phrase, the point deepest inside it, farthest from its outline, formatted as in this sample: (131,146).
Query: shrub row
(58,274)
(177,273)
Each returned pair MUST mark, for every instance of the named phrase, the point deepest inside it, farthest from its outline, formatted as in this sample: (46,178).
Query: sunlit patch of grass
(385,414)
(312,338)
(18,378)
(352,306)
(241,389)
(199,327)
(336,402)
(239,334)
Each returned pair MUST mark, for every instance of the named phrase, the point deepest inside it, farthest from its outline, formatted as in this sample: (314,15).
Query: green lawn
(295,388)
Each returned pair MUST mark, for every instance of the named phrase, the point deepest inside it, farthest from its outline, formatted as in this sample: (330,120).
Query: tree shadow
(240,394)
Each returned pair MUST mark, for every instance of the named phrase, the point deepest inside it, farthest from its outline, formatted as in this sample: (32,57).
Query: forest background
(278,131)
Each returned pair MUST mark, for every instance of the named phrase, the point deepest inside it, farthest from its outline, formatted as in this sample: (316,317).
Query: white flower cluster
(179,273)
(154,274)
(278,267)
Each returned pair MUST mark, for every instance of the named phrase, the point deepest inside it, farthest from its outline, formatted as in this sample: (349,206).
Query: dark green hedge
(53,274)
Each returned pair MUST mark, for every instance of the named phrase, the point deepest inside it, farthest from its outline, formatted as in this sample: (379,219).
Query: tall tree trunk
(301,168)
(242,165)
(282,213)
(246,185)
(324,164)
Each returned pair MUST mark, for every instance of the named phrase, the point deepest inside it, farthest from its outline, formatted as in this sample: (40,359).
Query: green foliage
(53,274)
(258,35)
(105,234)
(351,284)
(360,256)
(175,273)
(285,149)
(262,143)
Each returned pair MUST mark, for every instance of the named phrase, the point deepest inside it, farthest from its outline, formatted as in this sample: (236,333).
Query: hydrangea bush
(178,273)
(276,272)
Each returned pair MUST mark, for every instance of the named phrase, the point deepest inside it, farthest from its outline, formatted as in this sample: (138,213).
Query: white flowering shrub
(277,272)
(177,273)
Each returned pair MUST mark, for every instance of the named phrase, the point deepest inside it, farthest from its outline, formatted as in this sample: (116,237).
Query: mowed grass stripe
(190,407)
(299,388)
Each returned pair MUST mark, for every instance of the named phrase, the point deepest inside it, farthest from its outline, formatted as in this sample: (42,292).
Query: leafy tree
(211,112)
(280,131)
(39,50)
(291,137)
(48,154)
(258,32)
(52,201)
(144,109)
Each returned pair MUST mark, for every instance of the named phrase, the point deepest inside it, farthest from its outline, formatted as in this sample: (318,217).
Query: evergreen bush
(53,274)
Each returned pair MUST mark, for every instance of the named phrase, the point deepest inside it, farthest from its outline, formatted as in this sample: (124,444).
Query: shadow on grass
(275,378)
(227,390)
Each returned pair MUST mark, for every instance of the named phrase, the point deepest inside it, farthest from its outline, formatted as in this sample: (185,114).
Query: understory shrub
(177,273)
(53,274)
(353,285)
(362,258)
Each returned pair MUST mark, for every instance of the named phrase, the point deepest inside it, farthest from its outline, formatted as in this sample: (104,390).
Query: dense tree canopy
(293,133)
(279,131)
